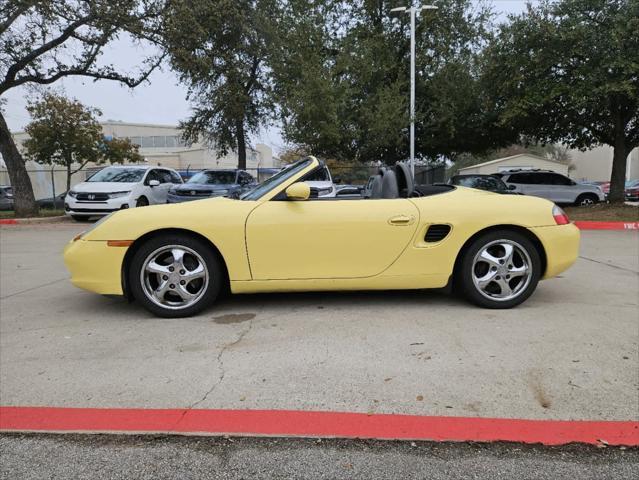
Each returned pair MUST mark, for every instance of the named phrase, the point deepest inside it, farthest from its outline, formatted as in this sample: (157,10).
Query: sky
(160,101)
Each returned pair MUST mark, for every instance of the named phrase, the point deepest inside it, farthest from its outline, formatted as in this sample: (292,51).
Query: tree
(569,72)
(65,132)
(342,80)
(219,50)
(44,41)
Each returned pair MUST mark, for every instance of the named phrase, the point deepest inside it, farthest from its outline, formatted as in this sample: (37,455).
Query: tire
(160,290)
(586,199)
(142,202)
(485,279)
(80,218)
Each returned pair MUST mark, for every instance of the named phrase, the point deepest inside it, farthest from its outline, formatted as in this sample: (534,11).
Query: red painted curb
(317,424)
(8,221)
(586,225)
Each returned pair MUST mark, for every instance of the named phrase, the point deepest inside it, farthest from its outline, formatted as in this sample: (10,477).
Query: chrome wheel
(174,277)
(586,201)
(501,270)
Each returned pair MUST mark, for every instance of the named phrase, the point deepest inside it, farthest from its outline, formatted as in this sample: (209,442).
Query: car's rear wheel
(586,199)
(142,202)
(500,269)
(175,276)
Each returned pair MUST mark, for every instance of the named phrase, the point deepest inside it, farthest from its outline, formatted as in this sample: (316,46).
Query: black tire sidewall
(205,251)
(142,202)
(581,197)
(465,270)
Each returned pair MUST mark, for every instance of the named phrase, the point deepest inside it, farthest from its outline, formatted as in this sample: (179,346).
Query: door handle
(401,220)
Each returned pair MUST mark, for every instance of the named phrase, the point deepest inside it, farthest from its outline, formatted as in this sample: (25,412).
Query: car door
(166,183)
(563,188)
(328,238)
(154,194)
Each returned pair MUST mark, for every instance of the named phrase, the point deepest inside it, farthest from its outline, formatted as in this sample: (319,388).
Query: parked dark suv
(553,186)
(212,183)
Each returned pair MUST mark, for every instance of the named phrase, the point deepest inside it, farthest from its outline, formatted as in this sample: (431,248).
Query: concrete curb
(295,423)
(588,225)
(35,220)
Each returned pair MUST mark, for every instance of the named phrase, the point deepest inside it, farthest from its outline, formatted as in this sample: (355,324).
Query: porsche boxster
(176,259)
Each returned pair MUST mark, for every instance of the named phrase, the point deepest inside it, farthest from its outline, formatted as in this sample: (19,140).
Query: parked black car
(51,203)
(6,197)
(212,183)
(482,182)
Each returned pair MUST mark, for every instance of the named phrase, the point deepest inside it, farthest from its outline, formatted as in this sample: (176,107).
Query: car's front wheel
(175,275)
(587,199)
(500,269)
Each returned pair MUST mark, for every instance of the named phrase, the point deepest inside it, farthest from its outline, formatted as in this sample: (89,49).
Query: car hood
(319,184)
(208,216)
(97,187)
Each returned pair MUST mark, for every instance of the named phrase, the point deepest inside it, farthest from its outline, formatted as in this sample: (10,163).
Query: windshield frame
(290,174)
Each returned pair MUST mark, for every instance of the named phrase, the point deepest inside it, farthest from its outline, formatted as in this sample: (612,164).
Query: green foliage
(220,50)
(342,80)
(568,72)
(43,41)
(65,132)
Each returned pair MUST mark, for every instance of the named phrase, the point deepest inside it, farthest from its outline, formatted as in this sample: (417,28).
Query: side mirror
(154,183)
(512,187)
(298,191)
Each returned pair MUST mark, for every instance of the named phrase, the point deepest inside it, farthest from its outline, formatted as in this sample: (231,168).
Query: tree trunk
(618,176)
(241,146)
(68,175)
(23,199)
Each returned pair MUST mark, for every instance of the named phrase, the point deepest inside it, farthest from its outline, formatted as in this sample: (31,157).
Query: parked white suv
(321,183)
(552,186)
(118,187)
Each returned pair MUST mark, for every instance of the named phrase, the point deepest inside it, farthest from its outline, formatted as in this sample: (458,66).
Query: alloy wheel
(174,277)
(501,270)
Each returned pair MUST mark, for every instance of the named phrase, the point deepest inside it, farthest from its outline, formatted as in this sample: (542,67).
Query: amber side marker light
(560,216)
(119,243)
(78,236)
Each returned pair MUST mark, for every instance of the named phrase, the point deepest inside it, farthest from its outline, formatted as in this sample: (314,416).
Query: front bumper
(561,245)
(94,266)
(93,209)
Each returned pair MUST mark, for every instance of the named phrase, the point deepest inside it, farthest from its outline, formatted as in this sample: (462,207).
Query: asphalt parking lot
(117,457)
(570,352)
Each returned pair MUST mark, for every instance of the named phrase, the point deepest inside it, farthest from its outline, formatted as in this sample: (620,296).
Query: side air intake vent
(436,233)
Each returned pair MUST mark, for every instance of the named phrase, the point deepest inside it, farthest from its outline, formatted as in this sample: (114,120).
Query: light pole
(413,11)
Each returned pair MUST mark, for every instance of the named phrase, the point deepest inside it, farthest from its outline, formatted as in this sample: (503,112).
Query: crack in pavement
(34,288)
(609,265)
(220,362)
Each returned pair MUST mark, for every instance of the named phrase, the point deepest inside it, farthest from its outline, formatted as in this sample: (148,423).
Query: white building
(526,161)
(159,145)
(592,165)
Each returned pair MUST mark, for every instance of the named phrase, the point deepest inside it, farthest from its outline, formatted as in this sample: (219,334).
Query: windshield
(319,175)
(213,178)
(483,183)
(121,175)
(277,179)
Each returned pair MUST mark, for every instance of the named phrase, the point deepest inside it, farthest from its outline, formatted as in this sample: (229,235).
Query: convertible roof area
(397,182)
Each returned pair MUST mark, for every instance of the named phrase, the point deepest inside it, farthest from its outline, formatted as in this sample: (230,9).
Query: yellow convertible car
(279,237)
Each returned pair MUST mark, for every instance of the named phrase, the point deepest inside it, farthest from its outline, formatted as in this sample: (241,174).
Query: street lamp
(413,11)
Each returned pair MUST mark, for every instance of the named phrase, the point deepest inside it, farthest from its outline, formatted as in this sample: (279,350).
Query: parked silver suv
(553,186)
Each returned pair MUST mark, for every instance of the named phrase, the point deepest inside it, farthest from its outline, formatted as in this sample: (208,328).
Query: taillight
(560,216)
